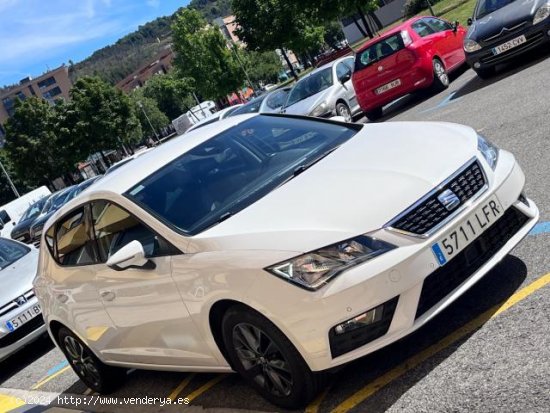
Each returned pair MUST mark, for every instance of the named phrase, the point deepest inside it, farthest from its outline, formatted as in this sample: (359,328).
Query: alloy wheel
(441,73)
(82,360)
(262,359)
(344,111)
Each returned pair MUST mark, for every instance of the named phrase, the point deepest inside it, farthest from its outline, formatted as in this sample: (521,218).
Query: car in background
(21,231)
(56,201)
(325,92)
(219,115)
(271,102)
(276,246)
(503,29)
(418,54)
(81,187)
(124,161)
(21,319)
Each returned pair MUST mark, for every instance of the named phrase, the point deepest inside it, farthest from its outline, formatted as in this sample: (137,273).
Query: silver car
(325,92)
(20,314)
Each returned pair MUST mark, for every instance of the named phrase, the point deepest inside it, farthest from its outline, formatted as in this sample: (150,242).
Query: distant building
(161,65)
(50,86)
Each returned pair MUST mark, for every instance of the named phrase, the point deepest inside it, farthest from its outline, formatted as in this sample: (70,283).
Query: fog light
(477,65)
(362,320)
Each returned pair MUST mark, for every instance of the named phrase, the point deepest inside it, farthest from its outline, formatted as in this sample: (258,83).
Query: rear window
(378,51)
(234,169)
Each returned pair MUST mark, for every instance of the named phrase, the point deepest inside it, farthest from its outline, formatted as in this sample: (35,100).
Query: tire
(441,77)
(343,110)
(486,73)
(262,355)
(95,374)
(374,114)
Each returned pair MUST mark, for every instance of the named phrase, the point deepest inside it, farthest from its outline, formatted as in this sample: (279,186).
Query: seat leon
(275,246)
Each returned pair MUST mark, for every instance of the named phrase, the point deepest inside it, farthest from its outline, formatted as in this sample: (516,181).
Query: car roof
(325,66)
(391,32)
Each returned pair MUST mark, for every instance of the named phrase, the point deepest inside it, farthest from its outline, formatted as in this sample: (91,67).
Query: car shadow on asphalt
(25,357)
(504,71)
(497,286)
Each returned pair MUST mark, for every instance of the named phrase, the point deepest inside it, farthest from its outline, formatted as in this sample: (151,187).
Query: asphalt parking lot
(488,352)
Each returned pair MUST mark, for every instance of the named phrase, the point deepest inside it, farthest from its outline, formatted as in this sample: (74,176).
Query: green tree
(147,111)
(6,192)
(98,117)
(172,94)
(32,145)
(262,66)
(203,55)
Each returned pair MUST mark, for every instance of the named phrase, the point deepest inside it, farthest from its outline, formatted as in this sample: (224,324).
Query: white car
(326,92)
(219,115)
(20,315)
(276,246)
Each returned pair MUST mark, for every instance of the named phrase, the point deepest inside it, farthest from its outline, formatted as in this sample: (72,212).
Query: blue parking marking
(445,102)
(57,367)
(541,228)
(439,254)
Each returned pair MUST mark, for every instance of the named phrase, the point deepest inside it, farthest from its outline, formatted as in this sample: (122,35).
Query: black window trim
(88,213)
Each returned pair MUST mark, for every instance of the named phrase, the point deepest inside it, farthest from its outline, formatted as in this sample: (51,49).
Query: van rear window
(378,51)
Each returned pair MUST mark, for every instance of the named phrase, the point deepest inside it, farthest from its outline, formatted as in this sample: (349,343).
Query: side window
(439,25)
(74,242)
(342,70)
(276,100)
(422,29)
(114,228)
(350,62)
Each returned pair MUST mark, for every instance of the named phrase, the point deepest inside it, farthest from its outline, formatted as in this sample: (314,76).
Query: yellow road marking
(313,407)
(8,403)
(87,392)
(205,387)
(48,378)
(172,396)
(419,358)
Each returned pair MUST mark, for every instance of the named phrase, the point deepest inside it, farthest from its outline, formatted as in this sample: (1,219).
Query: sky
(37,35)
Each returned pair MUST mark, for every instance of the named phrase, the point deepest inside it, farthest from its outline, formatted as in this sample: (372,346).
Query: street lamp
(148,120)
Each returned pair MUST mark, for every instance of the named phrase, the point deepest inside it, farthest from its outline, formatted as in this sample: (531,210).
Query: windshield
(251,107)
(379,51)
(62,198)
(310,85)
(34,210)
(234,169)
(486,7)
(10,252)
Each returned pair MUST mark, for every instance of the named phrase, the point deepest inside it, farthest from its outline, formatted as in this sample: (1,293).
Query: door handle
(107,295)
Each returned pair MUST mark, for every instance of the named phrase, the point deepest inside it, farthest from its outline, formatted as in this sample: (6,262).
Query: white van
(11,212)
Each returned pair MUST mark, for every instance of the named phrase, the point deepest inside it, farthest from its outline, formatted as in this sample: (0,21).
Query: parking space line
(313,407)
(8,403)
(172,396)
(412,362)
(50,377)
(205,387)
(540,228)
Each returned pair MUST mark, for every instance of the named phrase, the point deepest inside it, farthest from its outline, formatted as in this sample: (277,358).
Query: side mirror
(456,25)
(345,78)
(131,255)
(470,21)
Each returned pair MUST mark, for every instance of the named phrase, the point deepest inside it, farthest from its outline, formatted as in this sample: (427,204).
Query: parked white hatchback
(276,246)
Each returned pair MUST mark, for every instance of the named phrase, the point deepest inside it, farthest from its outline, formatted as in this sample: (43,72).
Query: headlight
(542,13)
(320,109)
(471,46)
(316,268)
(488,150)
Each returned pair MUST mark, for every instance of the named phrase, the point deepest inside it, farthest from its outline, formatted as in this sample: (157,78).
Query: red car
(415,55)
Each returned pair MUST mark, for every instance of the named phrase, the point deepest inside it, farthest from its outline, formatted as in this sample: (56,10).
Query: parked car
(21,232)
(124,161)
(10,213)
(219,115)
(276,246)
(415,55)
(86,184)
(56,201)
(325,92)
(503,29)
(271,102)
(20,315)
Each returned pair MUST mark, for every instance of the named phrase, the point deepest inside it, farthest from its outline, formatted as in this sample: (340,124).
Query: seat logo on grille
(20,301)
(449,200)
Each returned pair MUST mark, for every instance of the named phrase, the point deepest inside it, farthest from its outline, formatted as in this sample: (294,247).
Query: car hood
(305,106)
(17,278)
(357,189)
(507,17)
(41,220)
(22,227)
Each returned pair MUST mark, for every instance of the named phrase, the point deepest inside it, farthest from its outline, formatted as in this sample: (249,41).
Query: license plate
(472,227)
(509,45)
(389,86)
(23,318)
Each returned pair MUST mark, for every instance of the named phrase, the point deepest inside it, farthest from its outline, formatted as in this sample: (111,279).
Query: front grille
(448,278)
(430,213)
(533,40)
(506,32)
(12,305)
(346,342)
(22,331)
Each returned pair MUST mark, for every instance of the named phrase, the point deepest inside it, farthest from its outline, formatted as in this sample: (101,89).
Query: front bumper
(406,273)
(485,58)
